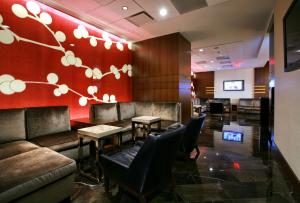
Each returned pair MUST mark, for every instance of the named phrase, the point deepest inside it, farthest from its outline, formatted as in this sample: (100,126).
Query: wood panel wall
(162,68)
(261,81)
(204,84)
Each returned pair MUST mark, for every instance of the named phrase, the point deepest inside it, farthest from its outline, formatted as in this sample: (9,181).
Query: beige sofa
(31,173)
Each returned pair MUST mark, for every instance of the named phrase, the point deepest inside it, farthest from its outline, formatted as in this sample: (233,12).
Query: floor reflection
(228,169)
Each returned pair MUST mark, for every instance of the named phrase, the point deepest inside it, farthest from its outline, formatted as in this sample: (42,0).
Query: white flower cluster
(115,71)
(52,78)
(21,12)
(43,17)
(93,73)
(109,99)
(92,90)
(128,69)
(81,32)
(69,59)
(9,85)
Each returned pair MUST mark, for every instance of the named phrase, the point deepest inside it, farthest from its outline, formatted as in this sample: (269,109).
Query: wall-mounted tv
(292,37)
(232,136)
(233,85)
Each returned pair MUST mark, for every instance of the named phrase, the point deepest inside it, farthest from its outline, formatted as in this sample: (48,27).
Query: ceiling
(232,33)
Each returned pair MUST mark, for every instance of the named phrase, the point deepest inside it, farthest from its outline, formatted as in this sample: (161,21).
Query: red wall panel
(27,61)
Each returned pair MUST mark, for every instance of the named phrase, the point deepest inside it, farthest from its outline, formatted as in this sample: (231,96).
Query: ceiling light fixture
(163,12)
(124,8)
(298,51)
(201,50)
(212,61)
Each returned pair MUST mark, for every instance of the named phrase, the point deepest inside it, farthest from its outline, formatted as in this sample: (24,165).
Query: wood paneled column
(162,71)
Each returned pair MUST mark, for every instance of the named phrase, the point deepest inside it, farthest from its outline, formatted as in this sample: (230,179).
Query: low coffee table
(96,134)
(146,121)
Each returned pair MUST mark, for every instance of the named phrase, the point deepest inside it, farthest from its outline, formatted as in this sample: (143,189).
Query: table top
(146,119)
(99,131)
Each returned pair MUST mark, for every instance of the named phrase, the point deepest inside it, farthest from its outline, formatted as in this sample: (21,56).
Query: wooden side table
(96,135)
(146,121)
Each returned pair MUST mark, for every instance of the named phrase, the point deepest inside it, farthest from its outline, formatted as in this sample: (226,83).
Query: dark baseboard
(287,171)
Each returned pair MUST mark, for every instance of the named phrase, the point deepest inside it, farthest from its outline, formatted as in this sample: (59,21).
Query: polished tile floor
(236,164)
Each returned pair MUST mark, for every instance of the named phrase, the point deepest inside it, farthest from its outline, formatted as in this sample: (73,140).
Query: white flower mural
(33,11)
(9,85)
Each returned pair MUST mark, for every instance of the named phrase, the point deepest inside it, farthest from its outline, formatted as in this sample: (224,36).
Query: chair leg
(106,184)
(142,199)
(198,151)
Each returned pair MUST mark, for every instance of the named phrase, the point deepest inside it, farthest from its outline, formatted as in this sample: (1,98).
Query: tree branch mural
(9,85)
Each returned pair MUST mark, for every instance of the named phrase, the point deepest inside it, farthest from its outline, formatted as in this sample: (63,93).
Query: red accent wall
(31,62)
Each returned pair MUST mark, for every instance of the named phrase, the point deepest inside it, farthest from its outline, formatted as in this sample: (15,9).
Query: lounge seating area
(42,137)
(220,106)
(165,101)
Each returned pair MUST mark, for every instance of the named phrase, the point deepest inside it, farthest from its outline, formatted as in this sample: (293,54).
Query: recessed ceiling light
(124,8)
(163,12)
(298,51)
(201,50)
(212,61)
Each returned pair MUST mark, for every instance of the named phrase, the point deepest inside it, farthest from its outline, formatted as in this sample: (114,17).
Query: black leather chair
(190,136)
(144,168)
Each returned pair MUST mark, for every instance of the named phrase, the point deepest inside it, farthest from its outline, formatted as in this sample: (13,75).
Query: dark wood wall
(162,68)
(204,84)
(261,83)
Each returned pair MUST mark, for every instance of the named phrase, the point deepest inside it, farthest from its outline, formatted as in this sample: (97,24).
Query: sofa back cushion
(143,109)
(47,120)
(246,102)
(126,110)
(12,125)
(167,111)
(256,103)
(104,112)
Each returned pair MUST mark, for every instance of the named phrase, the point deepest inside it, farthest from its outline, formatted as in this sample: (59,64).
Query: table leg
(133,131)
(80,151)
(120,139)
(159,126)
(99,149)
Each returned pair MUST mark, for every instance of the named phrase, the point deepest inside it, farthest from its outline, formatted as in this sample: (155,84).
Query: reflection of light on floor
(236,165)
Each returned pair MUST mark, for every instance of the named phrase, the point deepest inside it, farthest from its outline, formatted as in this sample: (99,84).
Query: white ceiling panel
(113,11)
(152,7)
(84,6)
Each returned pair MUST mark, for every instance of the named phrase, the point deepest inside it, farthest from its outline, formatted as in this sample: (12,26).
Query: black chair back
(191,133)
(153,164)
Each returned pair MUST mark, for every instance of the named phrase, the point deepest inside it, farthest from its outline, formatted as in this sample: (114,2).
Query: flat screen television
(233,85)
(292,37)
(232,136)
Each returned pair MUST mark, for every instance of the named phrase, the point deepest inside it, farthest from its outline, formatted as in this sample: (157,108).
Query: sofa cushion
(105,112)
(59,141)
(31,171)
(166,111)
(14,148)
(256,103)
(12,125)
(126,110)
(47,120)
(246,102)
(143,109)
